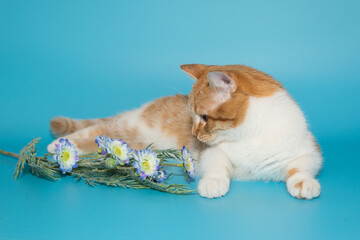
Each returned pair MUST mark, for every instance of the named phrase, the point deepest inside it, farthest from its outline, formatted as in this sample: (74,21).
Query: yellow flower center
(188,165)
(117,151)
(145,165)
(65,156)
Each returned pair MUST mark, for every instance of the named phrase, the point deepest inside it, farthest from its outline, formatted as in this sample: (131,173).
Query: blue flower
(117,148)
(146,163)
(100,140)
(66,156)
(161,176)
(189,167)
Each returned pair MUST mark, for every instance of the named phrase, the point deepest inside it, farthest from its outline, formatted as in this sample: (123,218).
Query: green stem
(173,164)
(91,159)
(50,162)
(124,168)
(84,164)
(171,188)
(15,155)
(85,156)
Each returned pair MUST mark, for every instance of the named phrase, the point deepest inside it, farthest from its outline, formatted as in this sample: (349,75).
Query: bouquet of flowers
(114,164)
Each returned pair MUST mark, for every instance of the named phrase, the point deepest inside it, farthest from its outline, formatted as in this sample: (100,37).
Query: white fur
(273,139)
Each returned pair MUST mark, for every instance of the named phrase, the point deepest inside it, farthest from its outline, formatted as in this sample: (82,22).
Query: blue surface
(88,59)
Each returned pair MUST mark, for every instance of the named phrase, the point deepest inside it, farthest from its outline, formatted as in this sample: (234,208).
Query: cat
(239,123)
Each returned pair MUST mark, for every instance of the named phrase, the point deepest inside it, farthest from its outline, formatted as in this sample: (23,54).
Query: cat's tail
(61,126)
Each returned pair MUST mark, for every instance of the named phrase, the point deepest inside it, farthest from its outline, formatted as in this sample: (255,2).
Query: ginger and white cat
(237,121)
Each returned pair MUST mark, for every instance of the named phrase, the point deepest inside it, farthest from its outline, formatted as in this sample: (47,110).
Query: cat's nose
(194,132)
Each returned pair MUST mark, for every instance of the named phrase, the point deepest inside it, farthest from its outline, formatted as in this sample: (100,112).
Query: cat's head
(220,96)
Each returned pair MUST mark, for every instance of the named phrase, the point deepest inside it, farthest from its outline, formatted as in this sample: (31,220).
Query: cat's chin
(210,143)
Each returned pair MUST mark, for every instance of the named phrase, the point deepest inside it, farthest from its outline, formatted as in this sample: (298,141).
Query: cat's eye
(204,117)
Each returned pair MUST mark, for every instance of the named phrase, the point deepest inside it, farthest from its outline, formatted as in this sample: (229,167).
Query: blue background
(88,59)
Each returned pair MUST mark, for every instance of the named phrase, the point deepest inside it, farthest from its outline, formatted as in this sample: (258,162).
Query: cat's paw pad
(305,189)
(213,187)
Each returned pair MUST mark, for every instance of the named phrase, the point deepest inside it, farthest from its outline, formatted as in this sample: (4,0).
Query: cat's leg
(300,178)
(215,168)
(84,139)
(62,126)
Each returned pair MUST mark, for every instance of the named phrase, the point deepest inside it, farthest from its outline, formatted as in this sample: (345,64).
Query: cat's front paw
(210,187)
(304,189)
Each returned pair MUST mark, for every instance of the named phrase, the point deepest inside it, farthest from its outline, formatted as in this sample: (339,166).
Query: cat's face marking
(221,93)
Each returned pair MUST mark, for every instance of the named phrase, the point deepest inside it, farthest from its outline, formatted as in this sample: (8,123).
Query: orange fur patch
(194,70)
(172,116)
(85,144)
(291,172)
(61,126)
(248,80)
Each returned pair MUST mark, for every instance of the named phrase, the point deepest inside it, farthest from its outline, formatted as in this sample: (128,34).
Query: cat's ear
(194,70)
(221,81)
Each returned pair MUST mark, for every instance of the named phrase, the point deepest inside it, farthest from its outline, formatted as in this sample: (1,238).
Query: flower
(66,155)
(146,163)
(189,167)
(117,148)
(161,176)
(100,140)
